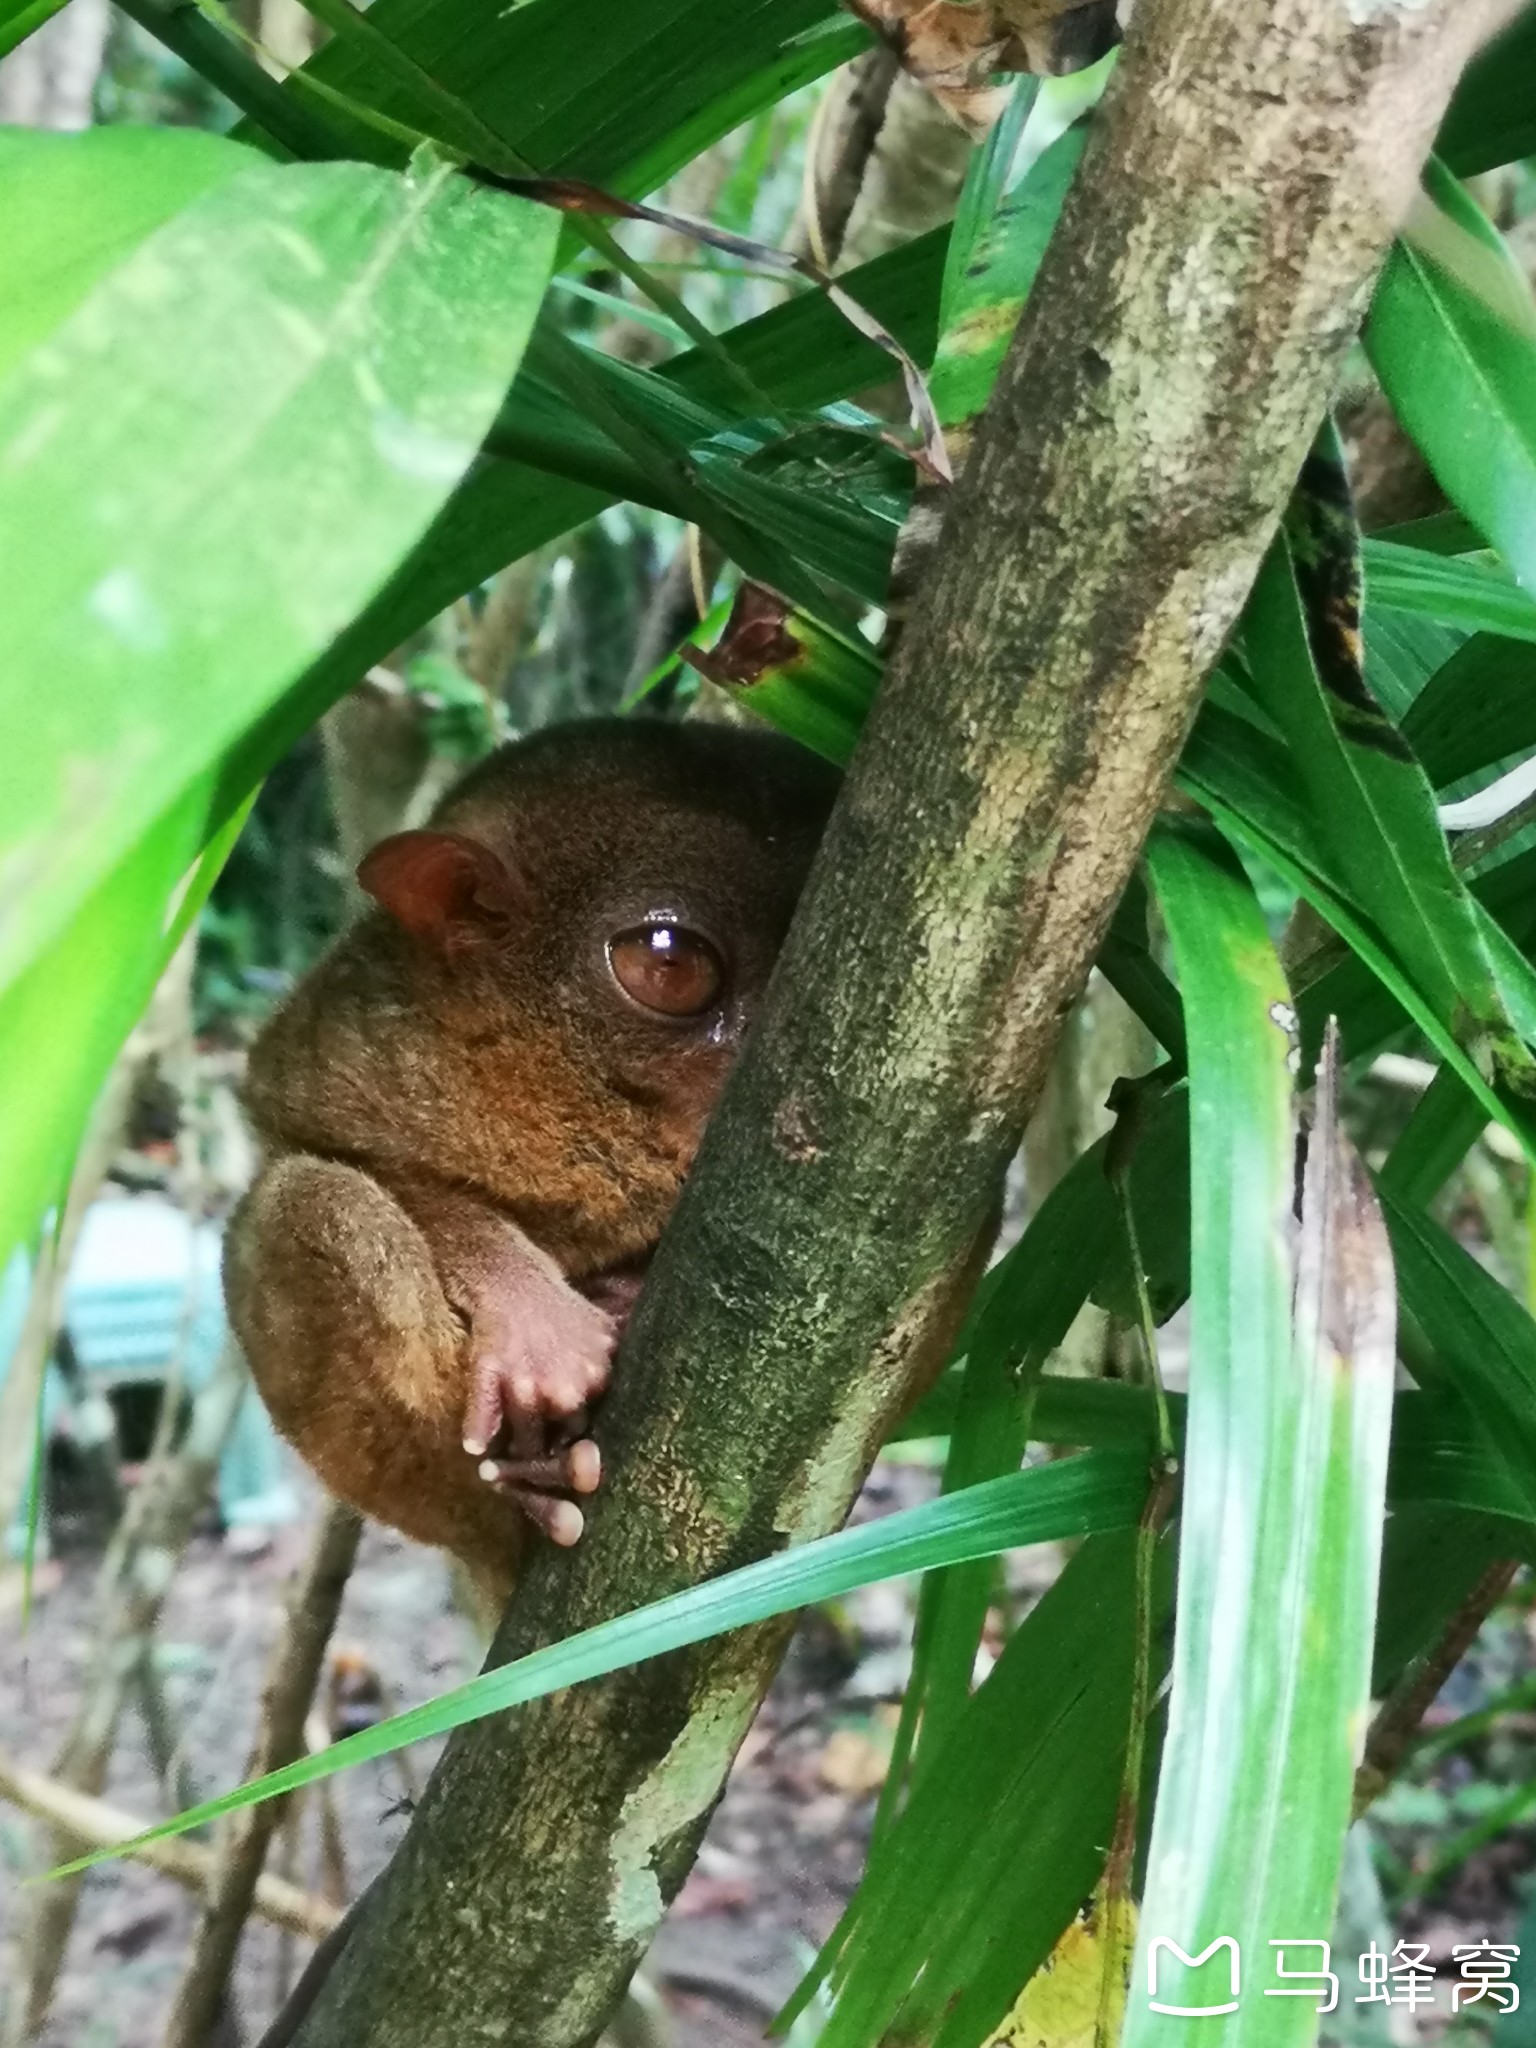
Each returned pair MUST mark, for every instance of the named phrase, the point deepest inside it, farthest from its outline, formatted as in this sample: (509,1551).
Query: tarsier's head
(624,883)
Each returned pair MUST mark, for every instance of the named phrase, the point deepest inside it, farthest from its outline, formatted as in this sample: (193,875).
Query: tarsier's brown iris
(666,968)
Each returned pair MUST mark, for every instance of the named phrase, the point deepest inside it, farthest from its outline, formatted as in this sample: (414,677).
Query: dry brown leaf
(956,47)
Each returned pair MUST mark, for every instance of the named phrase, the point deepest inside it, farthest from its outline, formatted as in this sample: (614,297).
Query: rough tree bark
(1213,262)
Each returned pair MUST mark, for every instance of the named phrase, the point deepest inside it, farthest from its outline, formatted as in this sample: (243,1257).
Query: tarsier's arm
(393,1330)
(537,1351)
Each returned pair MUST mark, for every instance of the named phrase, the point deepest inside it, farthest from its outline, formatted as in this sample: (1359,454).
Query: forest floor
(781,1858)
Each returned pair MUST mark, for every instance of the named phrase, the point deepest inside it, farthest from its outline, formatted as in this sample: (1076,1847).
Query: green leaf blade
(315,354)
(1098,1492)
(1288,1420)
(1451,336)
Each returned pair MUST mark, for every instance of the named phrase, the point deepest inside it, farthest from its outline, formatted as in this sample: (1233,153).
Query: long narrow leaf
(1452,337)
(803,354)
(1100,1491)
(952,1919)
(1243,780)
(1290,1407)
(1476,595)
(1479,1332)
(1369,800)
(1492,116)
(557,79)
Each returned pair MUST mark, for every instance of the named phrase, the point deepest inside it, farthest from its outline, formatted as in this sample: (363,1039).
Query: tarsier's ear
(444,888)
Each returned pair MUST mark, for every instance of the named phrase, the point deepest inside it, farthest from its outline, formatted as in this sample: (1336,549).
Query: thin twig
(1397,1720)
(292,1673)
(135,1576)
(94,1824)
(165,1748)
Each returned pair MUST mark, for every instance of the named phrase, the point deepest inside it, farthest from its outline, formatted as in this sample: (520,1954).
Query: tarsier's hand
(539,1352)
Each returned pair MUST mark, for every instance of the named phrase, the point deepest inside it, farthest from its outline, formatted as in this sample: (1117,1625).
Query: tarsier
(478,1109)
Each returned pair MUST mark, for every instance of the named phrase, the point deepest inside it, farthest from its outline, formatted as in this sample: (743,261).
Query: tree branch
(86,1823)
(292,1674)
(1210,269)
(131,1586)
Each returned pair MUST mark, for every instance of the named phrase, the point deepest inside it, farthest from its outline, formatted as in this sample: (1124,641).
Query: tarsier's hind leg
(333,1294)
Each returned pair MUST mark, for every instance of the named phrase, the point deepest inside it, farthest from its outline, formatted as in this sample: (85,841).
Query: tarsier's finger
(561,1520)
(584,1465)
(578,1468)
(483,1417)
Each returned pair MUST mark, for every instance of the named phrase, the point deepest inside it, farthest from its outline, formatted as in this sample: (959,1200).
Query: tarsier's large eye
(666,968)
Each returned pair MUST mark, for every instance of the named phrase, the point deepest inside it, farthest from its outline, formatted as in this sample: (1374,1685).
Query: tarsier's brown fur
(472,1137)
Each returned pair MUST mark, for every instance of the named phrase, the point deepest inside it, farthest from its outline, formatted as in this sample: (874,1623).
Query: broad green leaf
(1452,336)
(1286,1448)
(63,1020)
(73,206)
(1077,1497)
(312,355)
(1492,116)
(18,19)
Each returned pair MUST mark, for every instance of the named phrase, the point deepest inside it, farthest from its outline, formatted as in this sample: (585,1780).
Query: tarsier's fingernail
(566,1524)
(476,1447)
(584,1466)
(489,1469)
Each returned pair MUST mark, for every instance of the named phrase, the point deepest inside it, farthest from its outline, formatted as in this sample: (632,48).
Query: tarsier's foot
(541,1480)
(532,1378)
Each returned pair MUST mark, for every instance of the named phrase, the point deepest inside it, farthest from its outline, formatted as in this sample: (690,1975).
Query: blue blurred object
(143,1292)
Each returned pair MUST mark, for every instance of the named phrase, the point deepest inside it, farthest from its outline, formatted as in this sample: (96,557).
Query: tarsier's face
(633,904)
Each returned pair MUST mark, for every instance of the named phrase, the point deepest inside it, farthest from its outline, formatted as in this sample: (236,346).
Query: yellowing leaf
(1060,2006)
